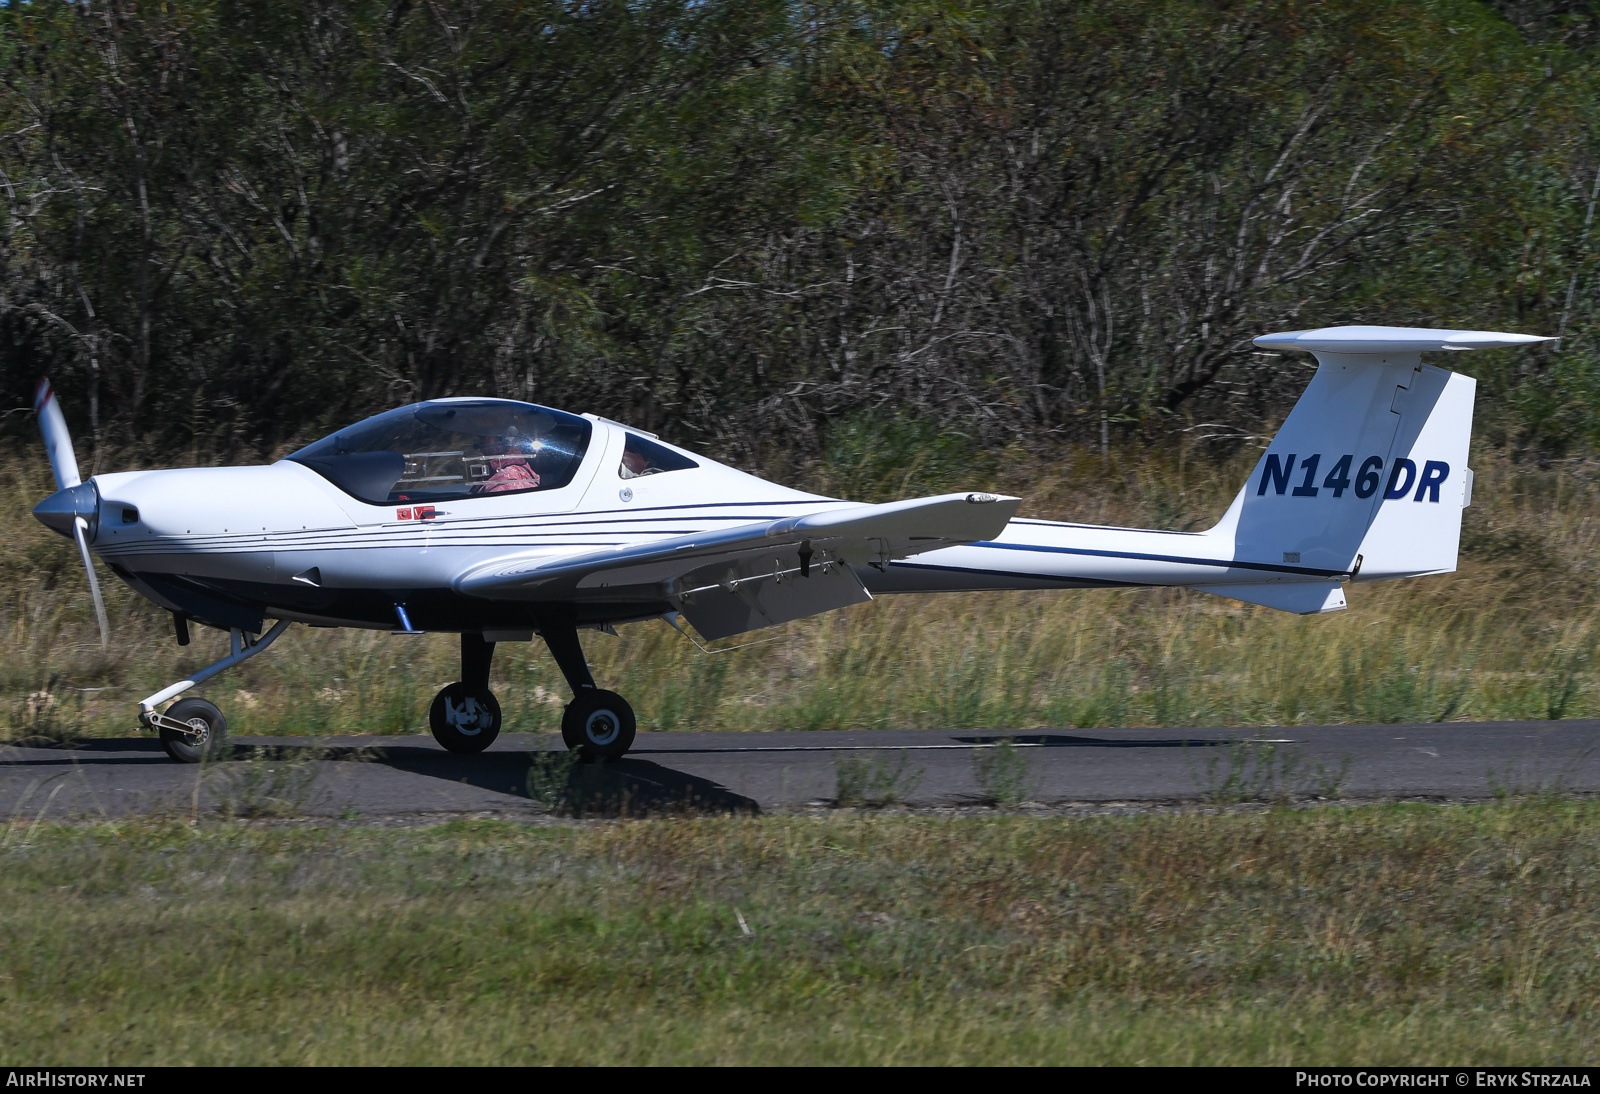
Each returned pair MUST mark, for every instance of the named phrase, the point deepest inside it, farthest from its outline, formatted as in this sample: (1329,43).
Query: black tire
(464,720)
(599,725)
(212,741)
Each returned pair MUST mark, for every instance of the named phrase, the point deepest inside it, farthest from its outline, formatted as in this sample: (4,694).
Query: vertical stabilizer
(1368,475)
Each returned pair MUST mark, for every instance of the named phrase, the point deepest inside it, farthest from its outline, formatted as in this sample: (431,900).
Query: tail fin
(1368,475)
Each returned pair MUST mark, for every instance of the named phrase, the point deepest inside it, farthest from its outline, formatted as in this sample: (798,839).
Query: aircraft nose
(59,510)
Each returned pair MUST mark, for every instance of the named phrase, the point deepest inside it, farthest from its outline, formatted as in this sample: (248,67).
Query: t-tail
(1365,481)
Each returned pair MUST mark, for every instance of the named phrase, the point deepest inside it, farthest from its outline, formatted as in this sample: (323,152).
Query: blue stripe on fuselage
(1176,559)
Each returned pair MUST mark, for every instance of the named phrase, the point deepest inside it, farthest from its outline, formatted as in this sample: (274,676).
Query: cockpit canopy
(449,449)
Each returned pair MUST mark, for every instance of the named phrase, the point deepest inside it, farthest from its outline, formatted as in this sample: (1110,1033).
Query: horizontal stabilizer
(1310,598)
(1393,340)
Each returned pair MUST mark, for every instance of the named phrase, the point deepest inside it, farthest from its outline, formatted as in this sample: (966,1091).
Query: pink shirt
(509,475)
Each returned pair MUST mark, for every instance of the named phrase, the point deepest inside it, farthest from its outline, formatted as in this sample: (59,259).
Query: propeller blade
(80,532)
(57,441)
(64,465)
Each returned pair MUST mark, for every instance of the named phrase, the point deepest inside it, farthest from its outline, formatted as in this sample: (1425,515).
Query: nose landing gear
(193,729)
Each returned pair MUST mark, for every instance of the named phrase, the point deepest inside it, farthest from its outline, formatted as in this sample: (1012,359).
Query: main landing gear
(597,724)
(465,716)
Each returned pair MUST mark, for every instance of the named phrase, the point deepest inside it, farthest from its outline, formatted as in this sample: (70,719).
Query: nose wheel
(598,725)
(464,719)
(204,732)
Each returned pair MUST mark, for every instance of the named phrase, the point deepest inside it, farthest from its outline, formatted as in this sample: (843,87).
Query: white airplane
(502,520)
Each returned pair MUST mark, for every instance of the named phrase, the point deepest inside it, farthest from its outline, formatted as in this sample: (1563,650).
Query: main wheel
(210,738)
(464,720)
(599,725)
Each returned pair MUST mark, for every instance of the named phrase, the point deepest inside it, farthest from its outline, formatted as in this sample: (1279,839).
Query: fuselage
(229,546)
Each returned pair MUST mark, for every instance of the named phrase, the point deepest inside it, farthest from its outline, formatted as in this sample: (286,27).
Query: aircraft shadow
(1063,740)
(633,787)
(83,749)
(622,788)
(626,787)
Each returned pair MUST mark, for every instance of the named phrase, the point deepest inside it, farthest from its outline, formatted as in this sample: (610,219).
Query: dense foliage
(231,223)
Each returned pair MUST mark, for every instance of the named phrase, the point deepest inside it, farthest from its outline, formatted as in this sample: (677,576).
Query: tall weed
(871,779)
(1004,774)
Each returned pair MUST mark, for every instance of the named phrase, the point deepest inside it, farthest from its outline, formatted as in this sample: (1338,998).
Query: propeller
(75,503)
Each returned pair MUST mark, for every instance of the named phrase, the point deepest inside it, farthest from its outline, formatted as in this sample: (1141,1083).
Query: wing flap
(733,601)
(1301,598)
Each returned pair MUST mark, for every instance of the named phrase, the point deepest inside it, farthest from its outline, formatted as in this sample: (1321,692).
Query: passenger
(635,463)
(508,463)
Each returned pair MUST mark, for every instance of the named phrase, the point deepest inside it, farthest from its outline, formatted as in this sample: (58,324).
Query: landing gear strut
(597,724)
(193,729)
(465,716)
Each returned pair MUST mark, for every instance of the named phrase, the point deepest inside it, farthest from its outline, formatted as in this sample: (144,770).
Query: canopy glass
(450,449)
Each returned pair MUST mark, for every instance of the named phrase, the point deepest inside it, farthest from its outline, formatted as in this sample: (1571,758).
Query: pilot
(508,465)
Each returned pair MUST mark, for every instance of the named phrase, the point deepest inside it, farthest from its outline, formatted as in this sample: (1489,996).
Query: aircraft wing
(732,580)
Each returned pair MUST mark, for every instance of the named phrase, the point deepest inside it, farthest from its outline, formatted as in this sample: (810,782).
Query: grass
(1512,635)
(1386,934)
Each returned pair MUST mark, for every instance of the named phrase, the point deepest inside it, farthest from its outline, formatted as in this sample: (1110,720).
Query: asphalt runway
(376,777)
